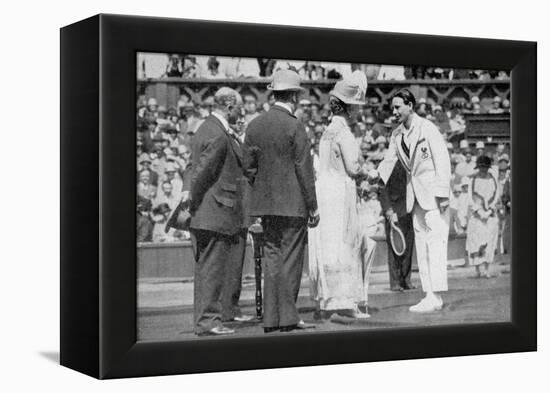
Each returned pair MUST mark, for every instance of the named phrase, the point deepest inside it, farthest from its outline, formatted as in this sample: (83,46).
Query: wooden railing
(168,90)
(175,260)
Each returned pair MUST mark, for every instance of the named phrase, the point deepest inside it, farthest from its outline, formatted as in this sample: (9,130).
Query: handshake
(371,176)
(313,218)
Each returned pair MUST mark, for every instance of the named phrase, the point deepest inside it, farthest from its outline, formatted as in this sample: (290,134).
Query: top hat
(347,92)
(285,80)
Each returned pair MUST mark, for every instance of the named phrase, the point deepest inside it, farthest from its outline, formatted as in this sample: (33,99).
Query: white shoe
(361,315)
(426,305)
(244,318)
(438,303)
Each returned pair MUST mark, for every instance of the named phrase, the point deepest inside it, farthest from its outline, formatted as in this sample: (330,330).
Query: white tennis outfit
(422,151)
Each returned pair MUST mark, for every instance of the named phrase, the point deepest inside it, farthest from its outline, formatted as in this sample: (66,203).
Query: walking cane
(257,242)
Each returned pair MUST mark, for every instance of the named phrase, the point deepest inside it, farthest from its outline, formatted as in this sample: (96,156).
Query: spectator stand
(167,91)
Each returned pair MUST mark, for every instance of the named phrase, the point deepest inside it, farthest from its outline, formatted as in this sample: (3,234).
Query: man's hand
(442,203)
(313,219)
(391,215)
(184,196)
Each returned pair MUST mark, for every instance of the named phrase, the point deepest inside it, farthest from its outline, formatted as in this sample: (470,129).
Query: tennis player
(419,146)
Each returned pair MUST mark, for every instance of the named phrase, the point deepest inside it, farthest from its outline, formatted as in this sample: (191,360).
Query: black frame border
(120,37)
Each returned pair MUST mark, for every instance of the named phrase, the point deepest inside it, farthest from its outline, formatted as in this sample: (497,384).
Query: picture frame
(98,253)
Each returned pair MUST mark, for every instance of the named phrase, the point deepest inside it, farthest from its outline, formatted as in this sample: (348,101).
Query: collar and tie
(405,147)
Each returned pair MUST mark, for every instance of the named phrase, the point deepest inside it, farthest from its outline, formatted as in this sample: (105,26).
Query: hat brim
(284,87)
(346,100)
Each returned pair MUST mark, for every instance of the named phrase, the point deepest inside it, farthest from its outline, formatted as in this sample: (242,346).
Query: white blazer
(428,165)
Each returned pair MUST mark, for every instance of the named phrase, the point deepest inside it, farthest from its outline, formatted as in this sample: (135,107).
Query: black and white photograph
(285,196)
(282,197)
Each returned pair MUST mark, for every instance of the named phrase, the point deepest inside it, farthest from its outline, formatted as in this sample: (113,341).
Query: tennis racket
(397,239)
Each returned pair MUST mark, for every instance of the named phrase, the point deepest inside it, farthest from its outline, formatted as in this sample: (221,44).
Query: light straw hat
(285,80)
(347,92)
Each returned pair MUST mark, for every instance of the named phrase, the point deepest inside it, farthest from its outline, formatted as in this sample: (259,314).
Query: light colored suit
(428,176)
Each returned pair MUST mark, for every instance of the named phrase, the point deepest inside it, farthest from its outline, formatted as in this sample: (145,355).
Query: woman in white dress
(482,232)
(336,245)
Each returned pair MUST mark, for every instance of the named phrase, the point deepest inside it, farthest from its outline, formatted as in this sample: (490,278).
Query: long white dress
(335,246)
(482,232)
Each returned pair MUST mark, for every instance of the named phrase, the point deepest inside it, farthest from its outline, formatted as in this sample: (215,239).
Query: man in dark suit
(218,224)
(280,168)
(393,198)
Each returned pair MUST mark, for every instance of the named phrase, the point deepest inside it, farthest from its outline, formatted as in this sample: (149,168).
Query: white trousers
(431,231)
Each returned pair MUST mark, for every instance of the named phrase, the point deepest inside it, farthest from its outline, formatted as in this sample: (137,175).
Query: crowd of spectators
(158,65)
(164,137)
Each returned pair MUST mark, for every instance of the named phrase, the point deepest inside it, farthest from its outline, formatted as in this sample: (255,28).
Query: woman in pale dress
(482,232)
(335,246)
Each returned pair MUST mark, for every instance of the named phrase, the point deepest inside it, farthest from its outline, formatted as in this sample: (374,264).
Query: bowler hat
(347,92)
(285,80)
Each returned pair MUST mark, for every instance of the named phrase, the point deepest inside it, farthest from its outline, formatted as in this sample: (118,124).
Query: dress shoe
(361,315)
(408,286)
(271,329)
(288,328)
(428,304)
(217,331)
(396,289)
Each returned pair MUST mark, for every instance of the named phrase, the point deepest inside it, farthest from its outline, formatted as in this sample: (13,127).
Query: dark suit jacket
(394,193)
(279,165)
(217,180)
